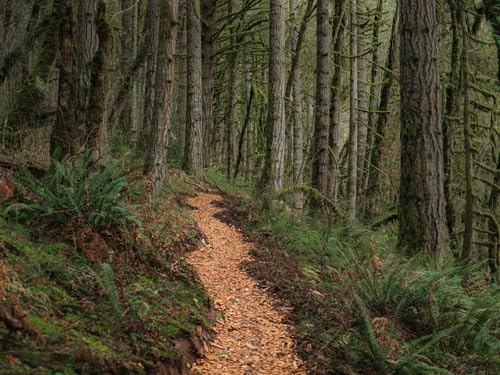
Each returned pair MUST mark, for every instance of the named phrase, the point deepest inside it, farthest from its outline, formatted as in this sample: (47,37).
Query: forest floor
(252,335)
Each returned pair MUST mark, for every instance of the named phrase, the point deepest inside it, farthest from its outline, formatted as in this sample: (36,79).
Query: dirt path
(252,337)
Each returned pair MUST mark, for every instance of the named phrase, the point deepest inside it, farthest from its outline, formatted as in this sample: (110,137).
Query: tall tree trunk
(231,114)
(372,98)
(231,102)
(339,25)
(164,88)
(80,116)
(451,111)
(362,99)
(181,108)
(193,162)
(152,19)
(353,117)
(321,123)
(128,120)
(67,132)
(494,229)
(298,128)
(469,213)
(377,151)
(274,165)
(96,133)
(209,29)
(421,198)
(250,134)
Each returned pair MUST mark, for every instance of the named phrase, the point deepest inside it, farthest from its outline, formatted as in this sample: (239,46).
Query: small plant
(74,188)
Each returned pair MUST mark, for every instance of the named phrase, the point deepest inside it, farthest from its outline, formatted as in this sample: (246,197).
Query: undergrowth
(74,188)
(362,307)
(65,312)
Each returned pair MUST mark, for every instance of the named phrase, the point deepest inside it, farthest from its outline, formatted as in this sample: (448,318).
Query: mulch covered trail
(251,336)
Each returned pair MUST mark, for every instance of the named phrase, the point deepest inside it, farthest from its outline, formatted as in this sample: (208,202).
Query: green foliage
(75,189)
(117,317)
(441,317)
(106,280)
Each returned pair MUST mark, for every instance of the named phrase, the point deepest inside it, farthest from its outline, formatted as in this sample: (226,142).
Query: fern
(107,283)
(72,188)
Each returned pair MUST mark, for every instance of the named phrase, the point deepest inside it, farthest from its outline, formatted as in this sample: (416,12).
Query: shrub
(74,188)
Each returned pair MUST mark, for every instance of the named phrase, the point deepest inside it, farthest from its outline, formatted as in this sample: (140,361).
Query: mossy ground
(64,313)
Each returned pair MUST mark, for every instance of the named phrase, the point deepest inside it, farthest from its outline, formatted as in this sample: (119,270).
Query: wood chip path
(251,337)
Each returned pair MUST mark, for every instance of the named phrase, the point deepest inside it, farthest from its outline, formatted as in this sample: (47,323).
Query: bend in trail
(253,337)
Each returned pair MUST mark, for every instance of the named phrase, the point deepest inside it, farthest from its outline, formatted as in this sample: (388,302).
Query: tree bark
(372,96)
(298,128)
(181,108)
(451,111)
(339,25)
(421,197)
(128,120)
(193,162)
(321,123)
(377,151)
(152,19)
(362,99)
(164,88)
(467,245)
(209,29)
(274,165)
(80,116)
(353,117)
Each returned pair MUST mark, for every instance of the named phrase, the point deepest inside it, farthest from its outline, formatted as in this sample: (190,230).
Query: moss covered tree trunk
(128,120)
(422,215)
(82,78)
(321,123)
(209,29)
(339,26)
(274,165)
(164,88)
(193,162)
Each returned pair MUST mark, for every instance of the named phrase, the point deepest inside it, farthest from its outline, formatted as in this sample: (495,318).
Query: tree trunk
(493,227)
(231,102)
(362,100)
(152,19)
(377,151)
(80,116)
(467,245)
(128,121)
(339,25)
(372,96)
(250,134)
(181,108)
(274,165)
(298,129)
(193,162)
(67,132)
(421,197)
(451,111)
(353,117)
(96,133)
(321,123)
(164,85)
(209,29)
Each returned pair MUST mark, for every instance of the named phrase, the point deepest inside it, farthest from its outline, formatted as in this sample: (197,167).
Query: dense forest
(249,187)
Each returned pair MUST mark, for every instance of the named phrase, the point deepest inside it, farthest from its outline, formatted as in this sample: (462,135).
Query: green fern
(72,188)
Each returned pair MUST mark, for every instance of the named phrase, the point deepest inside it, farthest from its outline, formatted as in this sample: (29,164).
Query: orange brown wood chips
(251,336)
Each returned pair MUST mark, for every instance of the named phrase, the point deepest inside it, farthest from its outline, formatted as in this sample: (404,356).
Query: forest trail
(252,337)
